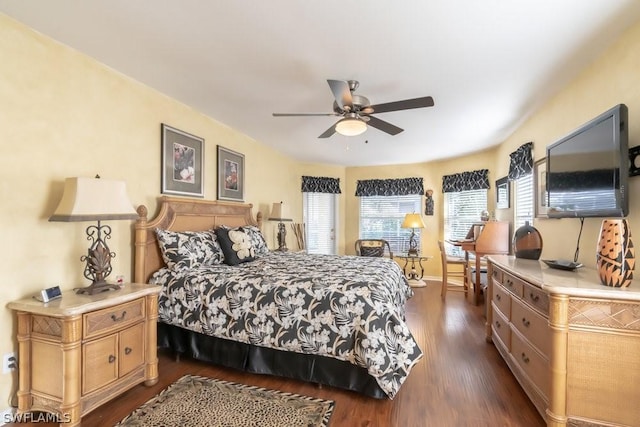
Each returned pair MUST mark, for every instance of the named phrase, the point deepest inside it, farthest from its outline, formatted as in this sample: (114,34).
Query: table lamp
(95,199)
(413,221)
(277,215)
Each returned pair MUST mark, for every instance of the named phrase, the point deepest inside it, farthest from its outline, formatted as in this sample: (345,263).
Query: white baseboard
(7,415)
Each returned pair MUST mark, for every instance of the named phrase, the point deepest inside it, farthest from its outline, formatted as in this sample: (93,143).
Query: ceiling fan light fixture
(350,126)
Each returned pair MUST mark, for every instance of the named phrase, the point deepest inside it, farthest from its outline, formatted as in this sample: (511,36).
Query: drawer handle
(525,359)
(116,318)
(498,325)
(533,297)
(525,322)
(112,358)
(509,283)
(498,297)
(127,350)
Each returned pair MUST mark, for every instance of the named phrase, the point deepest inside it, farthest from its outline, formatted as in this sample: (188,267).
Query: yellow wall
(63,114)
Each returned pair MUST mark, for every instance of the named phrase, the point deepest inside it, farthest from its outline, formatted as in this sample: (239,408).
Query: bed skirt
(262,360)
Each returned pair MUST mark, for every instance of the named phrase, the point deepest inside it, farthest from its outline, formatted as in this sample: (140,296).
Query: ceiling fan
(356,110)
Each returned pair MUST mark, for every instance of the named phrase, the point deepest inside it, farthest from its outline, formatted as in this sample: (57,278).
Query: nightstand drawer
(113,318)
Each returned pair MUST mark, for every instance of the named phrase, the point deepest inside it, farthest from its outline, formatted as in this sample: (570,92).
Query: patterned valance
(320,184)
(389,187)
(466,181)
(521,161)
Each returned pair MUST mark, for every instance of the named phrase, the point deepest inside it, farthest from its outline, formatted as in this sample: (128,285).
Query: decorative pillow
(236,245)
(189,249)
(257,240)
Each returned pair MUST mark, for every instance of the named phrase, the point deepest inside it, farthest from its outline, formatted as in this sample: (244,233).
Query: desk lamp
(413,221)
(277,215)
(95,199)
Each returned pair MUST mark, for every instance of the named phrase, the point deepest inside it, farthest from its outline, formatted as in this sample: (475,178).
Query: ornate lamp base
(96,288)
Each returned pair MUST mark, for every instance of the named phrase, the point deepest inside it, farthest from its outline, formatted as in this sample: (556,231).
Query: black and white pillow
(236,244)
(257,240)
(189,249)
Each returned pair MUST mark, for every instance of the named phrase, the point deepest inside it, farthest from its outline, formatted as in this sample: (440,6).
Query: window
(462,210)
(381,217)
(319,210)
(523,200)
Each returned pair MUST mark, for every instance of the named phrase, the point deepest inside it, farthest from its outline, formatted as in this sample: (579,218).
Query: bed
(332,320)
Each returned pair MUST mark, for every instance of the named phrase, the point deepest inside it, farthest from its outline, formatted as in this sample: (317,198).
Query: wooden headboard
(182,214)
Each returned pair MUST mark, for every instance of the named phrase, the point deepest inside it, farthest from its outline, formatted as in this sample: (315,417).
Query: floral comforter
(345,307)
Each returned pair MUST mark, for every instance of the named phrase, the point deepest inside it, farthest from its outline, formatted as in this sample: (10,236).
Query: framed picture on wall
(502,193)
(230,175)
(182,163)
(540,188)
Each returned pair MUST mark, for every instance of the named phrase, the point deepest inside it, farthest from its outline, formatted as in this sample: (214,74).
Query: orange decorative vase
(616,255)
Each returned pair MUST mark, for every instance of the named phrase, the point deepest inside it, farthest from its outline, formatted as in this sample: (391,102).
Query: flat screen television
(587,170)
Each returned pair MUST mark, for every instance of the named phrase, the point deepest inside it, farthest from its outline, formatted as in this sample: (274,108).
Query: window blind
(523,201)
(319,211)
(381,217)
(462,210)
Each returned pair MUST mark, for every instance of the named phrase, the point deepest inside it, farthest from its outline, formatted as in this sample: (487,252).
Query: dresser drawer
(501,328)
(532,325)
(496,274)
(502,300)
(537,298)
(113,318)
(512,284)
(532,363)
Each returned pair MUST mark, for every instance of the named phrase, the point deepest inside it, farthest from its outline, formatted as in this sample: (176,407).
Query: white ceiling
(487,64)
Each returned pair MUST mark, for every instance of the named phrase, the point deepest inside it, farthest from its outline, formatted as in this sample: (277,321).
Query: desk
(415,280)
(491,238)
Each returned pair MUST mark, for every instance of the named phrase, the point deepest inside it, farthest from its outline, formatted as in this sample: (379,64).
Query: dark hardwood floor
(460,381)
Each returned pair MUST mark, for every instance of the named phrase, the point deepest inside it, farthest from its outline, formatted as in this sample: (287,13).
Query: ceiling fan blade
(341,93)
(407,104)
(302,114)
(327,133)
(384,126)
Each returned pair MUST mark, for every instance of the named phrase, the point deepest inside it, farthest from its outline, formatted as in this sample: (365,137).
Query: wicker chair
(373,247)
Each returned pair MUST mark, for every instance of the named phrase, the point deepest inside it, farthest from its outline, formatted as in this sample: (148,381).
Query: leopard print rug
(199,401)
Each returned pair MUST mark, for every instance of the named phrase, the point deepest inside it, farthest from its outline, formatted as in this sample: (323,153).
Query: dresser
(79,351)
(572,343)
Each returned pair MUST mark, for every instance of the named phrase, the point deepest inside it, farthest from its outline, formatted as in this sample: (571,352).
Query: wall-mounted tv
(587,170)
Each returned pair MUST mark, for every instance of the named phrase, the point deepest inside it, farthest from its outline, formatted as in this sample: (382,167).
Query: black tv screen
(587,170)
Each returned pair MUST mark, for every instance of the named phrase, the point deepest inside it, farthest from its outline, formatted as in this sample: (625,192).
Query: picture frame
(182,163)
(230,175)
(540,188)
(503,195)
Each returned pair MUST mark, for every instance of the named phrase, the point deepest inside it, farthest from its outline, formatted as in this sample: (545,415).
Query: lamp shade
(350,126)
(278,213)
(93,199)
(413,220)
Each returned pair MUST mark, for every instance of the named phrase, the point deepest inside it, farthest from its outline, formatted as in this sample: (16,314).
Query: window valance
(466,181)
(320,184)
(390,187)
(521,161)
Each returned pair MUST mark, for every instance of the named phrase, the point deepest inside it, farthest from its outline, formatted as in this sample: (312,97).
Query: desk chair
(452,267)
(373,247)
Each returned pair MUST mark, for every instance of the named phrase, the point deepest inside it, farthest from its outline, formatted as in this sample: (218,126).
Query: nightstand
(410,270)
(79,351)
